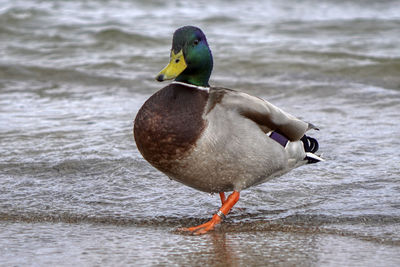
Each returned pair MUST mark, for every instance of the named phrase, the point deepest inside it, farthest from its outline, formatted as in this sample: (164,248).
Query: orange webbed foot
(217,218)
(203,228)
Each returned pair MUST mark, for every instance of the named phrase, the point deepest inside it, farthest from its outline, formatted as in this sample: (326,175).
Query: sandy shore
(64,244)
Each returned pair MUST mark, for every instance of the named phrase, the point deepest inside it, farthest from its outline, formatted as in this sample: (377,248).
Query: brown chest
(169,123)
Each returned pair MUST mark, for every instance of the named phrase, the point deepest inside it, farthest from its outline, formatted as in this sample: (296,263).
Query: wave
(340,27)
(220,19)
(45,74)
(16,15)
(385,75)
(306,224)
(70,166)
(327,67)
(121,36)
(244,221)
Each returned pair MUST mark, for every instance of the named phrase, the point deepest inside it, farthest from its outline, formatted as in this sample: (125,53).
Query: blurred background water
(75,190)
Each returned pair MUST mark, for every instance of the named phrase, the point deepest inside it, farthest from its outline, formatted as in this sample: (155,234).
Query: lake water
(74,190)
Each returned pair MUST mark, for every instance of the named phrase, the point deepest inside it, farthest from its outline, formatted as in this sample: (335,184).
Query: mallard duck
(215,139)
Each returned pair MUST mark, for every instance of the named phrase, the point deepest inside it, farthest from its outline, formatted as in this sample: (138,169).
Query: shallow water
(75,190)
(62,244)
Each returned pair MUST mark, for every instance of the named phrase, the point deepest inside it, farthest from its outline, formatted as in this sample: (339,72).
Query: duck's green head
(190,60)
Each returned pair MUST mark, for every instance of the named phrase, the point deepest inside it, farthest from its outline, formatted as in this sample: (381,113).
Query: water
(75,190)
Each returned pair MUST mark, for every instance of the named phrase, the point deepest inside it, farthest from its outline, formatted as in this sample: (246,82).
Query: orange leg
(217,218)
(222,196)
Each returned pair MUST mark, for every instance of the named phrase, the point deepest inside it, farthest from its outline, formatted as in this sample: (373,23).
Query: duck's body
(216,139)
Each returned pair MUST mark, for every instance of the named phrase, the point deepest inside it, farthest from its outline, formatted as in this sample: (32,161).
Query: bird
(216,139)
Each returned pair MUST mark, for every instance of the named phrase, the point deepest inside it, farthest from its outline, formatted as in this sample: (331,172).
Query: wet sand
(66,244)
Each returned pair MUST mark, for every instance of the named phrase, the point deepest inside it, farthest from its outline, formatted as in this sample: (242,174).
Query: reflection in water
(225,251)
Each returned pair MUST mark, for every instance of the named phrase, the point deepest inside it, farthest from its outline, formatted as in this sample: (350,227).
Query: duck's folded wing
(266,114)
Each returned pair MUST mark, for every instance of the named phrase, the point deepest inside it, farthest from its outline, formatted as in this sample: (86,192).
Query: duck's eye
(196,42)
(177,60)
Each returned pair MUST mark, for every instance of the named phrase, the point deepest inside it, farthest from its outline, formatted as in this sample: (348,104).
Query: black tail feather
(310,145)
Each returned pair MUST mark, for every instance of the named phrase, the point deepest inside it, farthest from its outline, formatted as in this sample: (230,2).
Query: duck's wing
(262,112)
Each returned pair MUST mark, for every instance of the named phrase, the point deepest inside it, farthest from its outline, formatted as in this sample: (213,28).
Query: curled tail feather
(310,147)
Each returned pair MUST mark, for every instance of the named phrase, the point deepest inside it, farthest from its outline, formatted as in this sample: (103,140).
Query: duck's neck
(198,80)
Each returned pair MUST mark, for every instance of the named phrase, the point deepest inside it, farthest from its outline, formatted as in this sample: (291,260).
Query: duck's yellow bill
(176,66)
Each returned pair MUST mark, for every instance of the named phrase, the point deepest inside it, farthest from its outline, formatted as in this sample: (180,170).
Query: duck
(216,139)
